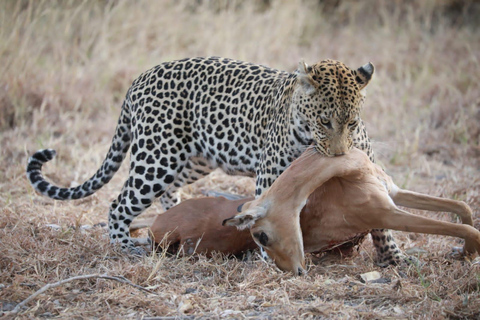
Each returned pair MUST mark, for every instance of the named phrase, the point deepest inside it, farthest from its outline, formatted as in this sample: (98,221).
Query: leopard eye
(352,124)
(326,123)
(261,237)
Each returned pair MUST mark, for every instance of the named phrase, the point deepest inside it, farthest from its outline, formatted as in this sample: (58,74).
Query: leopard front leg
(388,252)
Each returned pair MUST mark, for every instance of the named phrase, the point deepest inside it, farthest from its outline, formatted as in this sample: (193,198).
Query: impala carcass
(316,204)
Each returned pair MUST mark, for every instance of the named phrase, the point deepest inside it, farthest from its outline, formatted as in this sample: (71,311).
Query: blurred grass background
(69,56)
(66,66)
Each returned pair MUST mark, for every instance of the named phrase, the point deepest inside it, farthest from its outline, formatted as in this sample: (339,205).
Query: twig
(169,318)
(88,276)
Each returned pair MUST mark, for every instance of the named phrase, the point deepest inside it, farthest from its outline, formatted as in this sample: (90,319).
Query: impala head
(275,229)
(327,102)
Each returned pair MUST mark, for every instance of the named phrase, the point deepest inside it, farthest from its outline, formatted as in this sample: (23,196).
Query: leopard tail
(120,144)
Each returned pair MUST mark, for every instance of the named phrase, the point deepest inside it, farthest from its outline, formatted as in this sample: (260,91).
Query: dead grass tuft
(65,69)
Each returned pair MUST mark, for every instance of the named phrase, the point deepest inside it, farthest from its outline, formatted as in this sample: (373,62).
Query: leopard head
(327,100)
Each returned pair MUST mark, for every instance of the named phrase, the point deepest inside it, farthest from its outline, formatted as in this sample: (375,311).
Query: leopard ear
(245,219)
(364,74)
(305,79)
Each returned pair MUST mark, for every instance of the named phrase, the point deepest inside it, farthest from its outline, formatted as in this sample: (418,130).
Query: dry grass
(65,67)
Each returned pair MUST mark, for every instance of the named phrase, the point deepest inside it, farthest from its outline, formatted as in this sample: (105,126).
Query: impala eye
(326,123)
(261,237)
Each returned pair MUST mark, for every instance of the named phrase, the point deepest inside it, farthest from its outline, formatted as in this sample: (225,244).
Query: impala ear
(305,79)
(364,74)
(245,219)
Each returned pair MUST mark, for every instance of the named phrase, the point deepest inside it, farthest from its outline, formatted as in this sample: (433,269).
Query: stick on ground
(88,276)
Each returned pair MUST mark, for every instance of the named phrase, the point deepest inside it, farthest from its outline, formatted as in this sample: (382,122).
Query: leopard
(184,118)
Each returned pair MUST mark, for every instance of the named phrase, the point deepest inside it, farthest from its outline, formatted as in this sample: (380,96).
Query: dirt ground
(65,68)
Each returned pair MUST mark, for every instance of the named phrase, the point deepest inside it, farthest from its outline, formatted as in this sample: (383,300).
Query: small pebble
(55,227)
(370,276)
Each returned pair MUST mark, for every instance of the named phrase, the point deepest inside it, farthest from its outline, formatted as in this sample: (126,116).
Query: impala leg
(399,219)
(416,200)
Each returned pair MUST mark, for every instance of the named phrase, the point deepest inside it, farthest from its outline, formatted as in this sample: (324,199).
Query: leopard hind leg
(143,186)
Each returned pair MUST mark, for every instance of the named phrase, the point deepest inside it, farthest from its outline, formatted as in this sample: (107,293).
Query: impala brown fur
(195,225)
(343,189)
